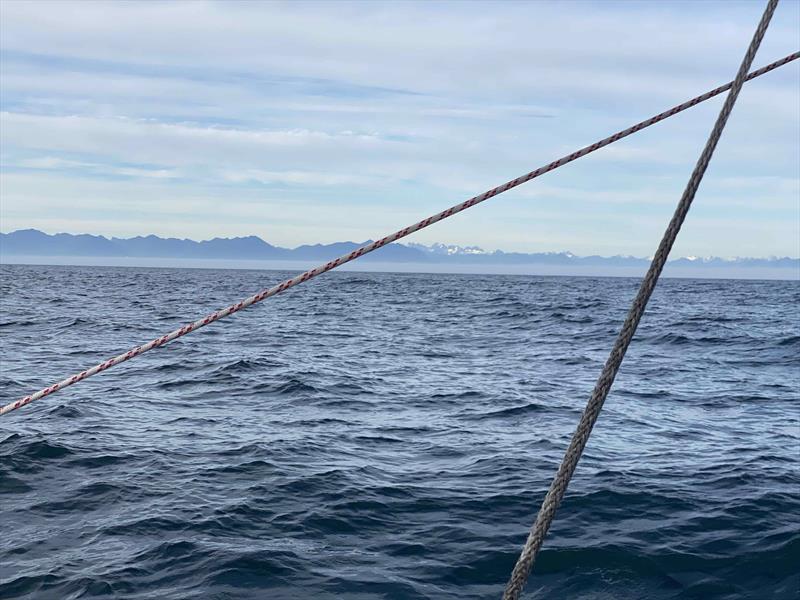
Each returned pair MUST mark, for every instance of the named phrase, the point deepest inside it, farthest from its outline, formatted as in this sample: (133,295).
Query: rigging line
(303,277)
(573,454)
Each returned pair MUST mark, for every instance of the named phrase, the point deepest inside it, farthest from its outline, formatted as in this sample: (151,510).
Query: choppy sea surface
(392,436)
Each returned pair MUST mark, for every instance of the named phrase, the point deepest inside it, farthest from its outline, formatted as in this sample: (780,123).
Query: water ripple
(391,436)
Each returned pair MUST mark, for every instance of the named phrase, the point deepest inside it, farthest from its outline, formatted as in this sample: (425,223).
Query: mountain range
(32,242)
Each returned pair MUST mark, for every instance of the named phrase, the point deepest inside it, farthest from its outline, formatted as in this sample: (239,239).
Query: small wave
(86,498)
(318,422)
(432,354)
(7,384)
(251,467)
(347,403)
(678,339)
(245,450)
(35,450)
(24,323)
(177,384)
(567,317)
(262,569)
(358,283)
(169,367)
(74,322)
(170,553)
(12,485)
(285,388)
(100,461)
(244,365)
(575,360)
(377,439)
(65,411)
(204,421)
(458,395)
(147,526)
(514,411)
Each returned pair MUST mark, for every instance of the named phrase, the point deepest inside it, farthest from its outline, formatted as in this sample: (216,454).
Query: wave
(398,447)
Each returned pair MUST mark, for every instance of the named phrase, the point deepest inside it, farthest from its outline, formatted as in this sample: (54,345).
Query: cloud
(149,141)
(334,120)
(53,163)
(511,45)
(296,178)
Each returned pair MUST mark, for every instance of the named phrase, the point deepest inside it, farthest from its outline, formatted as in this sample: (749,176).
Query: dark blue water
(391,436)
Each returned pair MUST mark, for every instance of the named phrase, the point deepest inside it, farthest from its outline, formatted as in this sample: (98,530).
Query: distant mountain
(31,242)
(442,249)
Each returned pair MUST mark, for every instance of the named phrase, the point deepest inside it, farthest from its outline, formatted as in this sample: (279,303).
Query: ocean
(376,435)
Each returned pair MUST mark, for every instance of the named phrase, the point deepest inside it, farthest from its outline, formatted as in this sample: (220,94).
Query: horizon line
(484,252)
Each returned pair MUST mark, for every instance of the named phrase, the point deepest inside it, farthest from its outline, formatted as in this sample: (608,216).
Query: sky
(321,122)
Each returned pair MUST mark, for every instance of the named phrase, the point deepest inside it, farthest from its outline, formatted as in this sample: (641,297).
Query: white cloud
(149,141)
(511,45)
(380,112)
(296,178)
(55,163)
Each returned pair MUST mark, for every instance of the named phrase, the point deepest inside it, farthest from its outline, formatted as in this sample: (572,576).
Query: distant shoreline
(671,271)
(31,246)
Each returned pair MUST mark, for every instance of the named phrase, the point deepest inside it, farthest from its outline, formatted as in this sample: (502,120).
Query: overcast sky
(321,122)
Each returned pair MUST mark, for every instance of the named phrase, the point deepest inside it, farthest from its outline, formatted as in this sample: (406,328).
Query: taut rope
(559,486)
(303,277)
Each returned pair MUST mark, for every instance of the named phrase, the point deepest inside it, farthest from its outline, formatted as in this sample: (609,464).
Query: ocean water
(392,435)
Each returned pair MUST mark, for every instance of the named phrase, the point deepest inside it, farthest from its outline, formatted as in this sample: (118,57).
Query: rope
(559,485)
(303,277)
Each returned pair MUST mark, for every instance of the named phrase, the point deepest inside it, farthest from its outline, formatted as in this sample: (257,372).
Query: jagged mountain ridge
(32,242)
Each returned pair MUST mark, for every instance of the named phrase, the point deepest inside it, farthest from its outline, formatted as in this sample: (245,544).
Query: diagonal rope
(559,485)
(303,277)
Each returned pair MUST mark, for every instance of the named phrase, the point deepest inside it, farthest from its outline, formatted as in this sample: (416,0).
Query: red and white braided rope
(282,287)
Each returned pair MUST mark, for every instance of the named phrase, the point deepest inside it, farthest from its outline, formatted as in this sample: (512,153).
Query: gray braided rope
(559,485)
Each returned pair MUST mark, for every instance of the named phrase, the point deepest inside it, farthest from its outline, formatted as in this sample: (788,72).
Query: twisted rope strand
(559,485)
(303,277)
